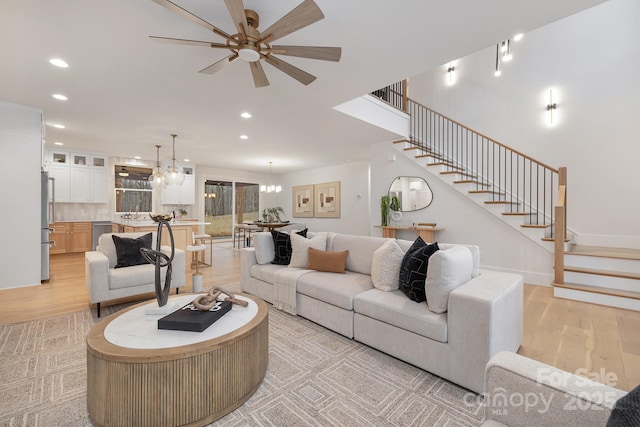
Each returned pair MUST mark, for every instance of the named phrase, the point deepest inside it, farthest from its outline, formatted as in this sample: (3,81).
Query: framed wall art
(327,200)
(302,201)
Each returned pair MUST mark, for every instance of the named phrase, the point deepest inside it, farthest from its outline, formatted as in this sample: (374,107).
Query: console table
(140,375)
(427,233)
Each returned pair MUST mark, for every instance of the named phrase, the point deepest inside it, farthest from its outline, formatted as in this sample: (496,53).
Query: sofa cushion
(300,248)
(282,246)
(385,266)
(475,252)
(334,289)
(108,248)
(128,250)
(448,269)
(332,262)
(266,272)
(413,270)
(395,309)
(134,276)
(264,247)
(361,249)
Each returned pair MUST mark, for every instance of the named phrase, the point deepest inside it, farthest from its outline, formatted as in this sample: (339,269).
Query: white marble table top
(135,329)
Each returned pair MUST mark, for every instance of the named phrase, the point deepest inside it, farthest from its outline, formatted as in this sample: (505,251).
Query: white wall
(354,192)
(501,247)
(591,60)
(21,154)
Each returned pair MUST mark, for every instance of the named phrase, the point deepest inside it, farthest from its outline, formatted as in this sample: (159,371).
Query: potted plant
(272,214)
(384,210)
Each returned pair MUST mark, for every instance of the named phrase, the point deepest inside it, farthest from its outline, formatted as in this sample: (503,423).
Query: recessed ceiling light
(59,97)
(245,115)
(244,137)
(58,143)
(137,157)
(187,160)
(59,63)
(518,37)
(57,125)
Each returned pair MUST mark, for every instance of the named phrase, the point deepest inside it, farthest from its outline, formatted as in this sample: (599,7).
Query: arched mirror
(409,193)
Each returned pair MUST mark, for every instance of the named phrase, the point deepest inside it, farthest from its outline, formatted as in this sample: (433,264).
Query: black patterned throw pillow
(413,270)
(282,246)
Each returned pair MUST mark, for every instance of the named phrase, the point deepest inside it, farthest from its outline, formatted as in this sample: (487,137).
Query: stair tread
(604,251)
(535,225)
(611,273)
(471,181)
(500,202)
(552,239)
(485,192)
(599,290)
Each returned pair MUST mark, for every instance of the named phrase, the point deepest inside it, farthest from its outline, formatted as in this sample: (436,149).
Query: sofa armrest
(178,266)
(96,268)
(247,260)
(521,391)
(485,316)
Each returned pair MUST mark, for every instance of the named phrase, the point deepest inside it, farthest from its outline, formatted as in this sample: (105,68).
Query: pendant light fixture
(270,188)
(158,179)
(174,175)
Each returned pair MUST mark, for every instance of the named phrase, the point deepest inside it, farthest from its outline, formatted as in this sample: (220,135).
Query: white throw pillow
(300,248)
(385,268)
(265,250)
(448,269)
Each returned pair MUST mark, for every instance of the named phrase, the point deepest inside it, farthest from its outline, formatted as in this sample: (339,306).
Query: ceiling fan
(254,46)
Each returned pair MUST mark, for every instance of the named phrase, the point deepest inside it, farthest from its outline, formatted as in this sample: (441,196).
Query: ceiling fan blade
(172,40)
(306,13)
(236,9)
(214,68)
(295,72)
(312,52)
(190,16)
(259,77)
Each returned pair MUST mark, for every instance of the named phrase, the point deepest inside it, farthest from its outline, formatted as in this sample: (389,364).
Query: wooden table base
(189,385)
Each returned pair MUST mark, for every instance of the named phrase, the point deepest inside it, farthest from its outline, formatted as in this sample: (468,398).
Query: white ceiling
(127,93)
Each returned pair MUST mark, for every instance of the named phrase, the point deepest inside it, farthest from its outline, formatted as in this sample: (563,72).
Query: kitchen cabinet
(61,184)
(88,185)
(184,194)
(79,177)
(70,237)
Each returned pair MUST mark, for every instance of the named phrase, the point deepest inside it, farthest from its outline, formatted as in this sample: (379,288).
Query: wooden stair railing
(560,227)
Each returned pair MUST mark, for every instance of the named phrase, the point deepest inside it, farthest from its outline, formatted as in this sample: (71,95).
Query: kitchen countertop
(150,223)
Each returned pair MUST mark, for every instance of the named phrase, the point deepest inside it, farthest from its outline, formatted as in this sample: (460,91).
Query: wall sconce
(498,71)
(506,51)
(551,107)
(451,78)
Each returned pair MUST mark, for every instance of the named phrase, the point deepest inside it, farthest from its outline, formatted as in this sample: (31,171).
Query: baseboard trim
(530,277)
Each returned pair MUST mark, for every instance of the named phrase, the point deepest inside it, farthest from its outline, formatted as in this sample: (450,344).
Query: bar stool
(205,239)
(196,278)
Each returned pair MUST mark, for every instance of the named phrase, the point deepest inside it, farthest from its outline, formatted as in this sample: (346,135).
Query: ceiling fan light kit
(252,46)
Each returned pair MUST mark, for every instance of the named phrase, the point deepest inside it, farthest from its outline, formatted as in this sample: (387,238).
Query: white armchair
(104,282)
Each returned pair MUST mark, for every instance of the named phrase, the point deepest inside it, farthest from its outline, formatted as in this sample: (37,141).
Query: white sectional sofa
(483,315)
(105,282)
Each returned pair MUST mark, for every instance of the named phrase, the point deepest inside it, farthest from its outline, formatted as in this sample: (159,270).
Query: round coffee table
(143,376)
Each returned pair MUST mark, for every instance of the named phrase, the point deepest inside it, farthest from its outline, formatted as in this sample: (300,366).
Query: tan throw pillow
(333,262)
(300,246)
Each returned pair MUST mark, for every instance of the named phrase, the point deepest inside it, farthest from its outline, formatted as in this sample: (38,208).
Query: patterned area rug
(315,378)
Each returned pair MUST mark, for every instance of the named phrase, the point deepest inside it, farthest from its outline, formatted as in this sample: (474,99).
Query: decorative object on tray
(426,224)
(205,302)
(272,214)
(160,259)
(202,312)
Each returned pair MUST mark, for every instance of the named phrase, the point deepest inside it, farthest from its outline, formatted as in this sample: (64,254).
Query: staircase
(601,275)
(524,193)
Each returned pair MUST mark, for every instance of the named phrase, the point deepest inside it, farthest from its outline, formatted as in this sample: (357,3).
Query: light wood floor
(570,335)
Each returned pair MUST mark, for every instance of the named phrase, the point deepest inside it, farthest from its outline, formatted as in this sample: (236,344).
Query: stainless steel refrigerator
(46,216)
